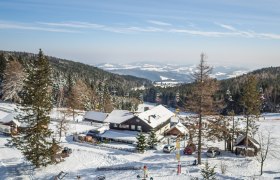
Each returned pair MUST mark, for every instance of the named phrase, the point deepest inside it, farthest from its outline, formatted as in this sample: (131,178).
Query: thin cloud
(234,32)
(9,25)
(73,24)
(145,29)
(250,34)
(228,27)
(159,23)
(204,33)
(78,27)
(94,26)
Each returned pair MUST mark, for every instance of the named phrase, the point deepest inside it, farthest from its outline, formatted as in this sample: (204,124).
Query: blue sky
(230,32)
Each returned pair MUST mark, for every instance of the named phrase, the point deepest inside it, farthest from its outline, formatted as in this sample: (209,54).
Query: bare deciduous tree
(201,98)
(13,81)
(78,98)
(62,125)
(267,148)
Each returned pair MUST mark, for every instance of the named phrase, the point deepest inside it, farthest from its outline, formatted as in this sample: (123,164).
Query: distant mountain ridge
(168,72)
(268,84)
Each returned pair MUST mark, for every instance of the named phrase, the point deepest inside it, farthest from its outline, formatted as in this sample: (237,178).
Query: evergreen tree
(208,173)
(152,141)
(230,112)
(55,149)
(100,95)
(3,63)
(141,143)
(35,139)
(250,101)
(107,100)
(69,84)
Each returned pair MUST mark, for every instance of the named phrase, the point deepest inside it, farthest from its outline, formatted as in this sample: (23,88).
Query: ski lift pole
(179,168)
(178,156)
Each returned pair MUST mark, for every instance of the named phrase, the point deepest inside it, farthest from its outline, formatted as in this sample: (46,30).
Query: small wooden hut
(251,150)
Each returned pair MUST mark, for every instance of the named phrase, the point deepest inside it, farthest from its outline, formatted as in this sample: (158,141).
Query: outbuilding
(177,130)
(95,116)
(251,150)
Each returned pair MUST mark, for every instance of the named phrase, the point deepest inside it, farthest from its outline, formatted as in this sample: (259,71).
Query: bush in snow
(141,143)
(152,141)
(223,167)
(208,172)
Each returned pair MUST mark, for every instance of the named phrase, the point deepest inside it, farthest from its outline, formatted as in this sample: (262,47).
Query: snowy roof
(180,128)
(59,113)
(156,116)
(142,107)
(10,118)
(119,116)
(122,135)
(94,115)
(174,119)
(3,114)
(7,107)
(252,140)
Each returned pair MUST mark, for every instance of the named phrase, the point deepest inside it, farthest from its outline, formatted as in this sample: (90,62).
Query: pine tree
(208,173)
(107,100)
(55,149)
(141,143)
(35,140)
(230,112)
(3,63)
(250,101)
(69,84)
(152,141)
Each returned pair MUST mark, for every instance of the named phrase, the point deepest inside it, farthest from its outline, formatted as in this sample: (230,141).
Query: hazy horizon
(232,33)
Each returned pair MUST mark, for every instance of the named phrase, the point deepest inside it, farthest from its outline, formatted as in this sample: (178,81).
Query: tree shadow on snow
(14,170)
(220,176)
(271,172)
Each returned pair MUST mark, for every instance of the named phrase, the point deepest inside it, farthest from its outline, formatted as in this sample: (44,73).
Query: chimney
(149,119)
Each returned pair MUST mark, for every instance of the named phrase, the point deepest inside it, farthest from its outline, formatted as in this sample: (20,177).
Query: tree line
(268,80)
(73,84)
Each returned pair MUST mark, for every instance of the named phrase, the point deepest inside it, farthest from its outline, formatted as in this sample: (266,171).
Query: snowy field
(86,159)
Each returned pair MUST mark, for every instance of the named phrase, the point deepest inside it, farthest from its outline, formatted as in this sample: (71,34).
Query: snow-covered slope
(86,158)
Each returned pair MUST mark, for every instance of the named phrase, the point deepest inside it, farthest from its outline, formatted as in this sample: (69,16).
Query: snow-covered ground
(86,158)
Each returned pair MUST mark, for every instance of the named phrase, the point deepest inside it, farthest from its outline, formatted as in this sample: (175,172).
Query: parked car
(92,133)
(101,177)
(190,148)
(213,152)
(95,134)
(168,148)
(188,151)
(67,150)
